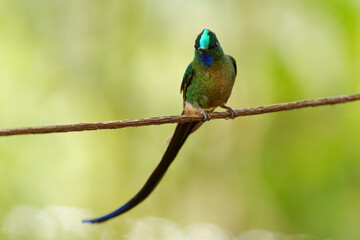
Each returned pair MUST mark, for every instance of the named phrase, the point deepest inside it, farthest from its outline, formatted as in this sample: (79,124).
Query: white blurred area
(62,222)
(50,222)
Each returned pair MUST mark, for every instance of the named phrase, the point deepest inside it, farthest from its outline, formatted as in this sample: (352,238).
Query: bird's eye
(216,44)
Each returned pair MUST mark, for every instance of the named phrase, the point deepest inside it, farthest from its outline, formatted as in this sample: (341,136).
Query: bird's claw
(230,110)
(206,115)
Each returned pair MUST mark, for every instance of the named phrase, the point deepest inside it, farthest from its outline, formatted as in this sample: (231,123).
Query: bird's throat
(206,59)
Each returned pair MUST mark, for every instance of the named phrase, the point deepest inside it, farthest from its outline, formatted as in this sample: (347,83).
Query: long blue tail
(181,133)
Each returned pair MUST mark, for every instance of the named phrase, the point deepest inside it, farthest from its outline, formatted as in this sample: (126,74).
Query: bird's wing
(186,79)
(234,63)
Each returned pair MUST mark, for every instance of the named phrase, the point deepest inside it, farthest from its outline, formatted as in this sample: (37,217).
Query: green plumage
(209,87)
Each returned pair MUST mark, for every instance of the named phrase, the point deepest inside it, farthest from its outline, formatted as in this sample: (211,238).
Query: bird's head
(207,47)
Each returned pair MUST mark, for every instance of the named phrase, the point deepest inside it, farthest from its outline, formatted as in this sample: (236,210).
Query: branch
(180,118)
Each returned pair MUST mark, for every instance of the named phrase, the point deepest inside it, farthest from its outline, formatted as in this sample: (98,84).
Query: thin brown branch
(180,118)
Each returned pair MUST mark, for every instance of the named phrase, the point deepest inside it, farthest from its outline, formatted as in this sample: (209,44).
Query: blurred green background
(294,172)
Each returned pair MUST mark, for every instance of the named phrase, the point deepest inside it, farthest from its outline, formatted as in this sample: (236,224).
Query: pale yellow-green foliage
(78,61)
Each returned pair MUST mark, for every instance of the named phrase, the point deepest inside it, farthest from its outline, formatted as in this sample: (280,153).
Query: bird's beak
(202,49)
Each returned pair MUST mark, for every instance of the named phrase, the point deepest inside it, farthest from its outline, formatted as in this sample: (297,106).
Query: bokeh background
(294,173)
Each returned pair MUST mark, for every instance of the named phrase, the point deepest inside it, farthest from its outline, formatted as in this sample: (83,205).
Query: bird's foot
(229,110)
(206,115)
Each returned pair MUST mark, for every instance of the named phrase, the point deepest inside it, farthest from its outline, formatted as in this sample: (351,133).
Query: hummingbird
(206,85)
